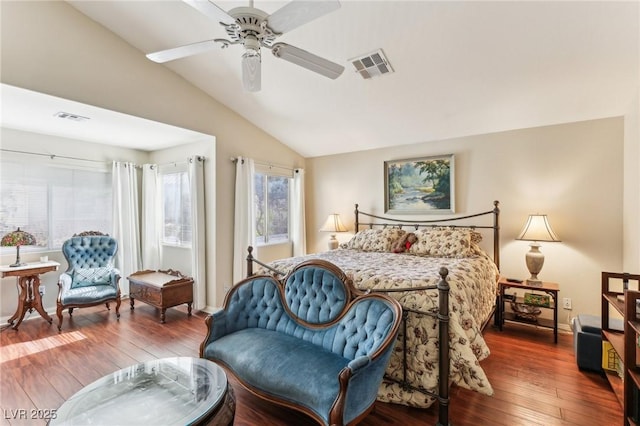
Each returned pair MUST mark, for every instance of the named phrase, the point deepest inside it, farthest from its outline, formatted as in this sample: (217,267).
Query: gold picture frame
(420,185)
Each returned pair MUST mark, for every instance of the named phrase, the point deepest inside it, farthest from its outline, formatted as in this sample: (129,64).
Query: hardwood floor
(535,381)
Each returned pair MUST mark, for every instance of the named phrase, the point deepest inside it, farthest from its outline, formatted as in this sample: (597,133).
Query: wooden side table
(546,287)
(162,289)
(29,281)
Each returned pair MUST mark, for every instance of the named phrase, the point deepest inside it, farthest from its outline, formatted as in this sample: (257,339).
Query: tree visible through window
(272,208)
(176,195)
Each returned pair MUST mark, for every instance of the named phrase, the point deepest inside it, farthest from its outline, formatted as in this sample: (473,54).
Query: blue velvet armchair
(91,278)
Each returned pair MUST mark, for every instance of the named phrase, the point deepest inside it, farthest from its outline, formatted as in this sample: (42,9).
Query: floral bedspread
(472,282)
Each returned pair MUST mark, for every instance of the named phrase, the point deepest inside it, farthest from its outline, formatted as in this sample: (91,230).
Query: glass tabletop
(169,391)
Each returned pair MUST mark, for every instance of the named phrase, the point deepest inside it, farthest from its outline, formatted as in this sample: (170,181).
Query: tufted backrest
(316,293)
(89,252)
(316,303)
(255,304)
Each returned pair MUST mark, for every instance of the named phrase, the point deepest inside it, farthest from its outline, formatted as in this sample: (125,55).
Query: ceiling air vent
(372,65)
(69,116)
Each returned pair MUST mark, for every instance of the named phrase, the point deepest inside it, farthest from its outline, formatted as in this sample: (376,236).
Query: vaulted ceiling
(461,68)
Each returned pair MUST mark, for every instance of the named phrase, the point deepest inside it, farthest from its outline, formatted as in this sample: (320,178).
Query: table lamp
(536,229)
(17,238)
(333,224)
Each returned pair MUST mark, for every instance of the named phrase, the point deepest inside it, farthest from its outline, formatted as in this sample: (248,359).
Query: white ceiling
(36,112)
(461,68)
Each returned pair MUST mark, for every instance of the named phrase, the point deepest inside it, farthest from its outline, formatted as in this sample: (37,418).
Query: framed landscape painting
(419,185)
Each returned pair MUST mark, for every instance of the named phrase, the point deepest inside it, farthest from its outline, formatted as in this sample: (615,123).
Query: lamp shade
(18,238)
(538,228)
(333,224)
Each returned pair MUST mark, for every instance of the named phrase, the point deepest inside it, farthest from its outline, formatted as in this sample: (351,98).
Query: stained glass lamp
(16,239)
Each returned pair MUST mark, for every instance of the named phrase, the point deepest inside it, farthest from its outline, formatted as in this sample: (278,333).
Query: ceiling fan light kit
(255,29)
(251,69)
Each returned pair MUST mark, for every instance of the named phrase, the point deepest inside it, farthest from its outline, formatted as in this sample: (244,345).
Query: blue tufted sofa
(311,342)
(91,278)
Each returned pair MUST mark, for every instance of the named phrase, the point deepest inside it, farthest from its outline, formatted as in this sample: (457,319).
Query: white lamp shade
(538,228)
(333,224)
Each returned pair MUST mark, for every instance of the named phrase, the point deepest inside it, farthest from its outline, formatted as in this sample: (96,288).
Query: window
(176,199)
(53,202)
(272,208)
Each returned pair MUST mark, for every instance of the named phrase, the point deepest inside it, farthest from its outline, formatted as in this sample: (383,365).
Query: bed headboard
(374,220)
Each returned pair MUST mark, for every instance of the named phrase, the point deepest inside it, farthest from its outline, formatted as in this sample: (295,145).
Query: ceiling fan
(254,29)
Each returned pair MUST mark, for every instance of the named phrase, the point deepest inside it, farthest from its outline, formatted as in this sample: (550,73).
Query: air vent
(69,116)
(372,65)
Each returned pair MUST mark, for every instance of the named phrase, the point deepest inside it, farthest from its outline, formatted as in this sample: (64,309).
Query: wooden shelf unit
(625,344)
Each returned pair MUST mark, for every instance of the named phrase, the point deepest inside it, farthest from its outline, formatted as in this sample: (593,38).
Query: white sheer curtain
(125,221)
(244,217)
(152,217)
(298,228)
(198,235)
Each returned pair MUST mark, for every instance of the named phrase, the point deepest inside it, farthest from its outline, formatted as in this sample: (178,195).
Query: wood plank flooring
(536,382)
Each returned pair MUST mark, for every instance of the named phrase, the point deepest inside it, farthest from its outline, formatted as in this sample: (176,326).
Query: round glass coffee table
(169,391)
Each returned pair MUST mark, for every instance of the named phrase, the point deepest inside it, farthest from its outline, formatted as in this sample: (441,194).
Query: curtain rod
(188,160)
(270,165)
(52,156)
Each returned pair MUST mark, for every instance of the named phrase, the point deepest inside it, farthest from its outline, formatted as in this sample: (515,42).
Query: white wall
(34,142)
(631,203)
(572,172)
(51,48)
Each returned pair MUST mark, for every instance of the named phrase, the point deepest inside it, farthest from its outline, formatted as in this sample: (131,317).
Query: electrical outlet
(41,290)
(566,303)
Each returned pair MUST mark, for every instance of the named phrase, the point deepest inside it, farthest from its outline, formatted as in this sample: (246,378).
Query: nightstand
(548,288)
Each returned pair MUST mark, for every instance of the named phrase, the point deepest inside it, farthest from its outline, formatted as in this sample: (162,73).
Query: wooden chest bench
(162,289)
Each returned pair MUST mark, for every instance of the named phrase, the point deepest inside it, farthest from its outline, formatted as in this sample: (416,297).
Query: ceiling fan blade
(182,51)
(296,13)
(307,60)
(251,71)
(211,10)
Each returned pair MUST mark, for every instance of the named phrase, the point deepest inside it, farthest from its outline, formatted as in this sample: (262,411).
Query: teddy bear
(405,243)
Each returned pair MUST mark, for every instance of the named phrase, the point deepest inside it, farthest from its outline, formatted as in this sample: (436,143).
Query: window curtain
(152,214)
(244,223)
(198,235)
(298,228)
(125,221)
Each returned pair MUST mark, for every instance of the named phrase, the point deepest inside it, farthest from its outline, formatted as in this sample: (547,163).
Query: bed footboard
(251,260)
(442,316)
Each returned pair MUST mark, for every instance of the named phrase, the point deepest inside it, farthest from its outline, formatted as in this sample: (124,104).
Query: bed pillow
(476,237)
(443,243)
(380,240)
